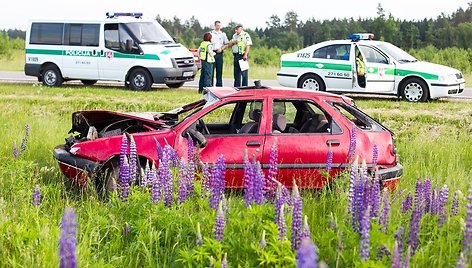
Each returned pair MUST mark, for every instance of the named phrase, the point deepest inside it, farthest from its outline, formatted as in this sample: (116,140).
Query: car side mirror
(198,137)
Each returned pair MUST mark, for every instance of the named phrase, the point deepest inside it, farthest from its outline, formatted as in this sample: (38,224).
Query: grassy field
(433,141)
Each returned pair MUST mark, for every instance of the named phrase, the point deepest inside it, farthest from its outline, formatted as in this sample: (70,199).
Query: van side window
(82,34)
(47,33)
(112,38)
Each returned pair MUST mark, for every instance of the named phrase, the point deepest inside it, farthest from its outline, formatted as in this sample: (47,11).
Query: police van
(121,47)
(386,69)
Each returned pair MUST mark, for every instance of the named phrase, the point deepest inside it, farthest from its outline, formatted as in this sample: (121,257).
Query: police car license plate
(187,74)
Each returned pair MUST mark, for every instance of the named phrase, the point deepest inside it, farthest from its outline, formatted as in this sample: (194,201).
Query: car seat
(279,123)
(316,124)
(251,127)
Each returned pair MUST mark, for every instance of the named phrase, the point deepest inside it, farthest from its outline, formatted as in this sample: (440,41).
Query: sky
(14,14)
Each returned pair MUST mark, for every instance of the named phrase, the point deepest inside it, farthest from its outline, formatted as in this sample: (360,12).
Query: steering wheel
(202,127)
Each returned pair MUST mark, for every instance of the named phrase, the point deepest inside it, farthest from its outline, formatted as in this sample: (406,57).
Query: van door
(117,57)
(80,51)
(379,69)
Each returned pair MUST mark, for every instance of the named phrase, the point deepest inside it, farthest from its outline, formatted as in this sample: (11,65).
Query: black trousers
(238,74)
(218,69)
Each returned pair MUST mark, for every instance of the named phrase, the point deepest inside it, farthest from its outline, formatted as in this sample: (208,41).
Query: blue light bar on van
(124,14)
(361,36)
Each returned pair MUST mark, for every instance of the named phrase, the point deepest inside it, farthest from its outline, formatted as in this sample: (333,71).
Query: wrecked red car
(304,124)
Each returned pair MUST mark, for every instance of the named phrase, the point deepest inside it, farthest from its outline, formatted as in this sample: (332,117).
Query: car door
(303,143)
(333,62)
(228,131)
(379,69)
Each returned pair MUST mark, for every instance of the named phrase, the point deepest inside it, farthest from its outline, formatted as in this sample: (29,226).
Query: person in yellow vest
(241,43)
(207,57)
(360,69)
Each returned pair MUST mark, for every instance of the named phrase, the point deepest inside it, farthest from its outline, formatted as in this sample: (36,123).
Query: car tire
(415,90)
(175,85)
(88,82)
(51,76)
(140,79)
(311,81)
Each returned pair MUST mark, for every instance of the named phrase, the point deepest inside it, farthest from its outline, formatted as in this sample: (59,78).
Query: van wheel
(415,90)
(175,85)
(88,82)
(140,79)
(311,81)
(51,76)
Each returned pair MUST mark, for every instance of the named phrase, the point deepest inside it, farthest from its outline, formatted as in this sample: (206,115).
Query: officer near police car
(220,41)
(206,54)
(241,43)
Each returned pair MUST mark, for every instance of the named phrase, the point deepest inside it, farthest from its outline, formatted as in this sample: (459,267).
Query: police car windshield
(150,33)
(397,53)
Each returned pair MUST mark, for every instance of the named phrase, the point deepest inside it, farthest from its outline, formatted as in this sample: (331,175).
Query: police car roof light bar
(121,14)
(361,36)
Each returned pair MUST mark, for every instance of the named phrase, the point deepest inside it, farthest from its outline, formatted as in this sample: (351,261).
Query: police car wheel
(415,90)
(311,81)
(51,76)
(140,79)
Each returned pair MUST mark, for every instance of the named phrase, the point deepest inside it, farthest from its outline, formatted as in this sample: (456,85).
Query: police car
(331,66)
(121,47)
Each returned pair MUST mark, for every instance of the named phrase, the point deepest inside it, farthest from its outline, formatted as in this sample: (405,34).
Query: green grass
(432,139)
(13,62)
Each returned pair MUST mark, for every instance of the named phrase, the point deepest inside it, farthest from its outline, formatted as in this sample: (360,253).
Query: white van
(121,47)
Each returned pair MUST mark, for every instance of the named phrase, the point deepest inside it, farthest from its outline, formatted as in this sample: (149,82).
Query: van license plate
(187,74)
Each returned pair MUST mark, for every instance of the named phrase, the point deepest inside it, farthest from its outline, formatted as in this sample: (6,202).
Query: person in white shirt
(219,41)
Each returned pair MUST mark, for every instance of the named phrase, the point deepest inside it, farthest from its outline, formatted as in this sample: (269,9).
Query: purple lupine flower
(419,196)
(455,205)
(374,195)
(360,199)
(133,160)
(365,229)
(443,196)
(68,240)
(306,229)
(383,251)
(224,262)
(329,160)
(383,220)
(156,185)
(352,183)
(249,177)
(217,183)
(36,196)
(158,149)
(259,184)
(398,249)
(124,180)
(434,201)
(24,142)
(123,149)
(182,182)
(15,150)
(427,195)
(375,155)
(414,228)
(199,241)
(461,263)
(281,226)
(271,185)
(206,178)
(353,144)
(263,243)
(219,222)
(467,240)
(407,203)
(306,255)
(406,260)
(190,167)
(297,220)
(279,201)
(165,175)
(146,179)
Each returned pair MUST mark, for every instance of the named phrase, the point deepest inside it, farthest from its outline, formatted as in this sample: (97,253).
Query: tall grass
(432,139)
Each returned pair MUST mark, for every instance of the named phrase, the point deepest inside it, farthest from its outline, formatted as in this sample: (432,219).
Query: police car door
(81,51)
(333,65)
(379,70)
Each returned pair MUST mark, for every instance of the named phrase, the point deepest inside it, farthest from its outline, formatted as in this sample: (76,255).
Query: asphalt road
(20,77)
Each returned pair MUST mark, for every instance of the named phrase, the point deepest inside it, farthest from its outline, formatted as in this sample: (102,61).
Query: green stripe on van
(317,65)
(89,53)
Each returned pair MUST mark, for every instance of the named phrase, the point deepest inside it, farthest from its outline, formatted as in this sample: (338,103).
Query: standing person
(219,41)
(241,44)
(206,54)
(360,69)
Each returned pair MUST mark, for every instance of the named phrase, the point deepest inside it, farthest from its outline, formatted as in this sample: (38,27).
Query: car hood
(428,67)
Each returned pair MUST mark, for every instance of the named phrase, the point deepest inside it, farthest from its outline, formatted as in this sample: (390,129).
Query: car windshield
(397,53)
(150,33)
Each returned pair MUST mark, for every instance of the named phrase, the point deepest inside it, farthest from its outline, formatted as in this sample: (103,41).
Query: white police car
(331,66)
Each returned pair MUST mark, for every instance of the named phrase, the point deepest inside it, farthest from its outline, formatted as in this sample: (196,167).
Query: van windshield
(149,33)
